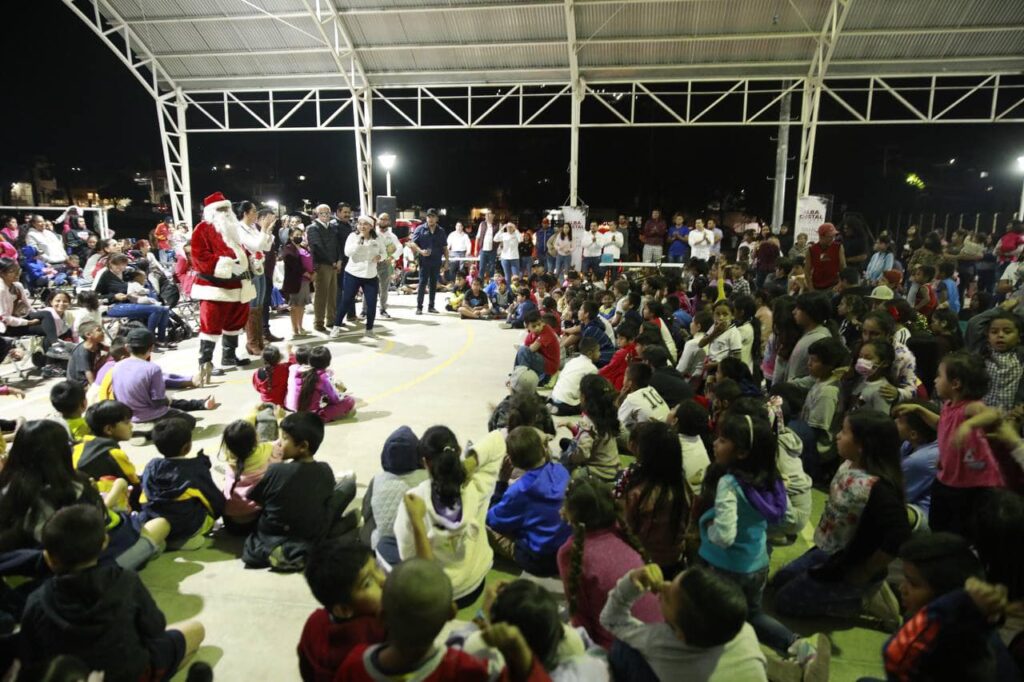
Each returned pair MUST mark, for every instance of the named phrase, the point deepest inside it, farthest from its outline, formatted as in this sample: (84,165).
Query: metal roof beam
(218,18)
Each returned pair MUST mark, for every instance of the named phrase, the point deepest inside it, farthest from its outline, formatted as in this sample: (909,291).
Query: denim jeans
(591,263)
(510,267)
(629,664)
(260,285)
(562,265)
(525,264)
(799,594)
(549,263)
(487,264)
(676,259)
(769,631)
(351,284)
(455,265)
(530,358)
(156,317)
(428,278)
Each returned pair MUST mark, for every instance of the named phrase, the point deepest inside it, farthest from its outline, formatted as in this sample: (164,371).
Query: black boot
(228,346)
(205,362)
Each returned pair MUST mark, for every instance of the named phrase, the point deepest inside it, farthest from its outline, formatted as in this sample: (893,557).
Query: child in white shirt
(691,360)
(137,290)
(565,396)
(724,340)
(639,401)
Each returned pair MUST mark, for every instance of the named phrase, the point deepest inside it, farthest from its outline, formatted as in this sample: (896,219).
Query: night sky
(71,100)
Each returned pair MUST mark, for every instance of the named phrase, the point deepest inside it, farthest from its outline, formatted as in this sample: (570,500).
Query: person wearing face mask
(364,251)
(299,272)
(874,368)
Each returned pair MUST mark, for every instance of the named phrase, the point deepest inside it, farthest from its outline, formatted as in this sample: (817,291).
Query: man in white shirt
(386,266)
(485,246)
(565,396)
(47,242)
(639,401)
(458,247)
(701,241)
(611,242)
(591,251)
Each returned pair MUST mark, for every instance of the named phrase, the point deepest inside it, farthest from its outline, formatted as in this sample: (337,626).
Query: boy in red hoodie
(343,576)
(625,339)
(416,604)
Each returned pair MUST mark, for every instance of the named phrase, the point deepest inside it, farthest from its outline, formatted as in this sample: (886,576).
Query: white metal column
(813,85)
(577,100)
(362,118)
(170,112)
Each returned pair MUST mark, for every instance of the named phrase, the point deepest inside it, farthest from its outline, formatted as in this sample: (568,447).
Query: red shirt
(162,233)
(1008,244)
(273,384)
(615,370)
(824,264)
(550,349)
(453,665)
(325,643)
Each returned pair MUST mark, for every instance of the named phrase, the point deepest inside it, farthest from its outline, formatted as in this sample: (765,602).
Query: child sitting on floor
(523,522)
(704,635)
(87,356)
(344,578)
(415,605)
(615,370)
(402,471)
(302,504)
(593,446)
(601,550)
(248,458)
(180,488)
(102,614)
(540,350)
(68,398)
(565,396)
(312,389)
(100,456)
(271,380)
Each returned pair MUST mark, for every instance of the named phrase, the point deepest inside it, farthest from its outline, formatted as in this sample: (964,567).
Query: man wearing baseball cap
(825,259)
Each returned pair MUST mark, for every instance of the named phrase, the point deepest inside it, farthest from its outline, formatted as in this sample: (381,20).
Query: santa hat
(215,201)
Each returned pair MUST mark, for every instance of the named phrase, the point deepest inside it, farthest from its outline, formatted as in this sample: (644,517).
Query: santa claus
(223,284)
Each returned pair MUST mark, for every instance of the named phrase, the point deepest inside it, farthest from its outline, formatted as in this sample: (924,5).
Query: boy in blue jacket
(523,306)
(180,488)
(524,522)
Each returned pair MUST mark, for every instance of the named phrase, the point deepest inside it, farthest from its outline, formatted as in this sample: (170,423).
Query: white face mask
(864,367)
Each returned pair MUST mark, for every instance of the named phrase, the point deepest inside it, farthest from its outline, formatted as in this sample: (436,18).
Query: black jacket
(181,490)
(671,385)
(323,243)
(108,286)
(103,615)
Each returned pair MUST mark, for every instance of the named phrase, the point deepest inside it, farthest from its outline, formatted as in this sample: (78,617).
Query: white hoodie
(797,482)
(460,547)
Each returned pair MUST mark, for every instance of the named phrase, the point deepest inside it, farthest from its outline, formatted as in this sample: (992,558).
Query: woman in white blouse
(364,250)
(509,239)
(458,247)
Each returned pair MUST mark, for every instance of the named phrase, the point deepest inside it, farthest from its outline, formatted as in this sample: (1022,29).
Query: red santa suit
(222,281)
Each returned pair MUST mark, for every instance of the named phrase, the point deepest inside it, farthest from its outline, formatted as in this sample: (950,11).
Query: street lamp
(388,161)
(1020,169)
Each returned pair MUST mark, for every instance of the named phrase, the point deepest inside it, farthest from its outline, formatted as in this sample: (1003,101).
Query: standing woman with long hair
(364,251)
(561,245)
(298,278)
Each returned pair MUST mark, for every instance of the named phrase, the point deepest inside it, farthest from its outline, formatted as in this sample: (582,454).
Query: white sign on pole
(576,216)
(810,214)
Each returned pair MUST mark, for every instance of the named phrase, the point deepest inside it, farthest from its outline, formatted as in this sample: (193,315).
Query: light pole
(388,162)
(1020,169)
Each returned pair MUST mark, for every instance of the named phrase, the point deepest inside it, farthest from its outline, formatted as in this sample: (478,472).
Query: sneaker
(505,325)
(369,334)
(385,314)
(803,651)
(432,309)
(362,315)
(320,328)
(336,332)
(419,311)
(882,606)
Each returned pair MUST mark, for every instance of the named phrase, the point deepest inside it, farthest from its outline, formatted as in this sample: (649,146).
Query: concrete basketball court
(420,371)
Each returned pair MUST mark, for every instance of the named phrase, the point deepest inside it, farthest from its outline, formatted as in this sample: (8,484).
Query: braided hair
(591,507)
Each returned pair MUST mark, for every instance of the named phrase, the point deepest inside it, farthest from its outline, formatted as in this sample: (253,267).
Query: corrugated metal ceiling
(425,42)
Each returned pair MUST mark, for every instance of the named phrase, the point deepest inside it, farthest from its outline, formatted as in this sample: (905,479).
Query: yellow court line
(470,337)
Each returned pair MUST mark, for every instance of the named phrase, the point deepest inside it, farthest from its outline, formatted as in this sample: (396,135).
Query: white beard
(226,225)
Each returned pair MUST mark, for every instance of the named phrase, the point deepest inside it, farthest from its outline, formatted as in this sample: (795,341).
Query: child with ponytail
(456,497)
(312,389)
(747,497)
(248,459)
(601,551)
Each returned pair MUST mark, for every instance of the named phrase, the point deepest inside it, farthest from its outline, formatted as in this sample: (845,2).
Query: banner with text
(576,216)
(811,212)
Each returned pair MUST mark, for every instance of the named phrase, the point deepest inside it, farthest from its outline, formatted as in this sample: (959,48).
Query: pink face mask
(864,367)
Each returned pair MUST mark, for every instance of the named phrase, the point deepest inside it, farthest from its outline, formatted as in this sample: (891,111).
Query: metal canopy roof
(264,44)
